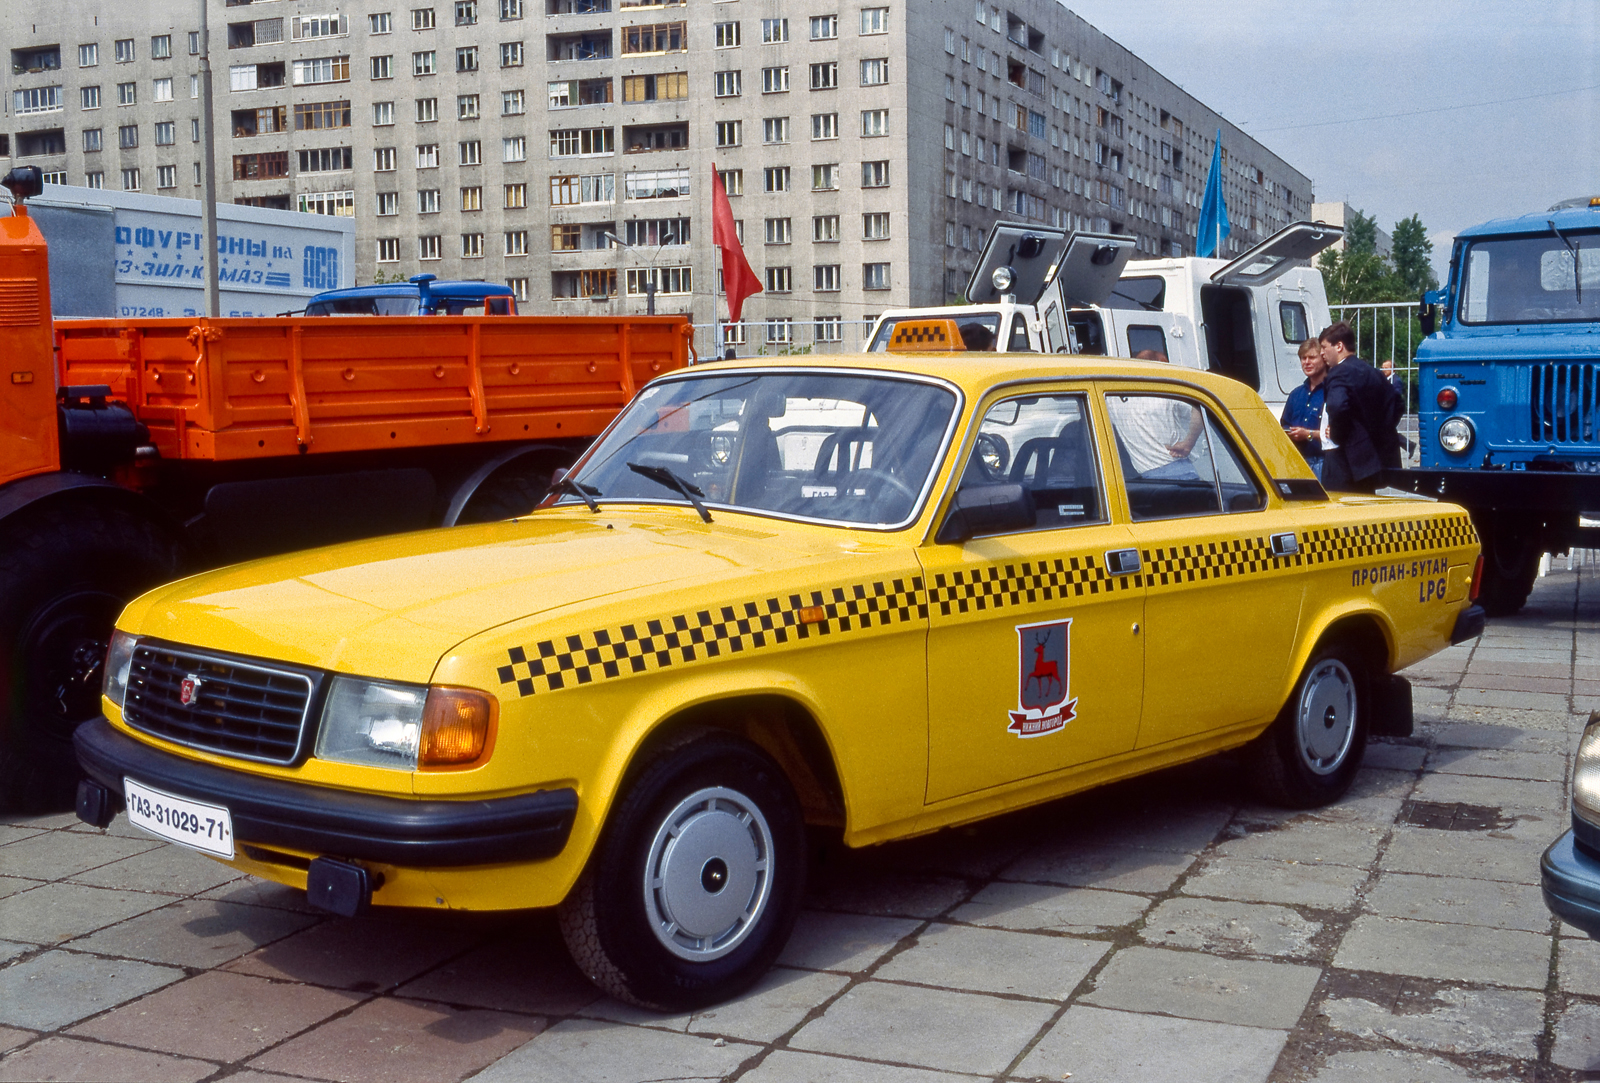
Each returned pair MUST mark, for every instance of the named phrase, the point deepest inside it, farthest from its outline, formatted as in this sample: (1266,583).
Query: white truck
(1038,289)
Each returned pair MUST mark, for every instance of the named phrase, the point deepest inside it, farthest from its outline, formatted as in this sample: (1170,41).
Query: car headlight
(405,727)
(1586,775)
(119,663)
(1455,435)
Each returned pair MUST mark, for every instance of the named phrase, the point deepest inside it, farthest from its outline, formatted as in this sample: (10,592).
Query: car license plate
(207,828)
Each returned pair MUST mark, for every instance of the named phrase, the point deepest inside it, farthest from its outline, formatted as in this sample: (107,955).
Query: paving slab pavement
(1165,928)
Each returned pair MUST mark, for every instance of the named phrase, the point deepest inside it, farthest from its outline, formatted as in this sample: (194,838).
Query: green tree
(1361,234)
(1413,258)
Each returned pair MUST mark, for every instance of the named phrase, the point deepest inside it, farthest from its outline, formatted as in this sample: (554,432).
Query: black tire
(1510,568)
(512,491)
(715,919)
(1309,756)
(66,571)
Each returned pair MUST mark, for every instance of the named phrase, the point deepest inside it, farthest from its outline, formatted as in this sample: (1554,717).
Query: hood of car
(391,607)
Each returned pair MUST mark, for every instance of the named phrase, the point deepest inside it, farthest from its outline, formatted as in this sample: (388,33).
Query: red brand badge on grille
(188,690)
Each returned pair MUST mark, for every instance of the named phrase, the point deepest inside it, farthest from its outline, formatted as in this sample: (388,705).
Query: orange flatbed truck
(135,451)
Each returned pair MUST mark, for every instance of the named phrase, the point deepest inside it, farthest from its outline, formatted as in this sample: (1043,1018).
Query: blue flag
(1213,209)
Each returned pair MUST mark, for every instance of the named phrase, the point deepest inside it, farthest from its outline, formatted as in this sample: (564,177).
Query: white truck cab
(1038,289)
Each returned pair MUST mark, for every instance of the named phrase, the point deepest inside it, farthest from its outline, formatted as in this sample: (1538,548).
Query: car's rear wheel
(696,882)
(1311,753)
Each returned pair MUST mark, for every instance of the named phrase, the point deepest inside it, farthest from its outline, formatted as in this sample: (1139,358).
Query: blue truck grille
(235,707)
(1564,407)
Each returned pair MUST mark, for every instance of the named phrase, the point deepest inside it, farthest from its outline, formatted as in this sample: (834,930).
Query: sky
(1459,111)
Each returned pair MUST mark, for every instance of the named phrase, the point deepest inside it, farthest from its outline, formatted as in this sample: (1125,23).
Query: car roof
(410,289)
(1539,222)
(976,373)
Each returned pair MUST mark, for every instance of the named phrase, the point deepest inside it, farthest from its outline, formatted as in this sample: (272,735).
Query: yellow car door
(1035,662)
(1223,596)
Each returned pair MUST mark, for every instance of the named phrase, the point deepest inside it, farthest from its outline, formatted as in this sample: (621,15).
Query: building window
(128,136)
(323,69)
(669,86)
(874,276)
(97,179)
(471,152)
(88,55)
(727,83)
(778,231)
(55,176)
(781,329)
(467,59)
(775,80)
(566,238)
(130,177)
(824,27)
(875,227)
(382,68)
(825,76)
(512,102)
(825,278)
(267,166)
(725,35)
(124,49)
(44,99)
(424,63)
(825,228)
(516,242)
(472,199)
(825,126)
(472,246)
(466,12)
(388,204)
(166,133)
(422,19)
(516,196)
(302,27)
(194,129)
(519,288)
(316,116)
(427,110)
(383,160)
(325,160)
(428,201)
(381,23)
(876,21)
(570,191)
(337,204)
(429,247)
(874,72)
(774,31)
(91,140)
(127,93)
(825,178)
(668,280)
(657,184)
(382,114)
(875,122)
(775,130)
(730,133)
(161,49)
(514,148)
(732,181)
(775,178)
(511,54)
(828,329)
(655,38)
(657,232)
(428,156)
(582,142)
(779,280)
(510,9)
(875,174)
(388,249)
(467,107)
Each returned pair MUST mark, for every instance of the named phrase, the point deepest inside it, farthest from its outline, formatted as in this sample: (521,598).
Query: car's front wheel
(1310,755)
(696,882)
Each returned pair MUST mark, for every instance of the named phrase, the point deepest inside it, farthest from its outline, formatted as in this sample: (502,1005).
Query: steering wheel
(875,482)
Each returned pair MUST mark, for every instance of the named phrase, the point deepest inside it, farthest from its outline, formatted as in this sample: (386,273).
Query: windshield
(828,446)
(978,329)
(1532,279)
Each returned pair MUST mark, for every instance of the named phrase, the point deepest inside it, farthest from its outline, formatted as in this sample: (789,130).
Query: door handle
(1285,544)
(1122,561)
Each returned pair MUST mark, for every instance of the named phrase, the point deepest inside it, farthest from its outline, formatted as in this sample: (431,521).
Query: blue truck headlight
(1455,435)
(1586,775)
(372,723)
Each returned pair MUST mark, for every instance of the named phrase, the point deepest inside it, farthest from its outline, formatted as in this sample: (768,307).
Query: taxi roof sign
(915,336)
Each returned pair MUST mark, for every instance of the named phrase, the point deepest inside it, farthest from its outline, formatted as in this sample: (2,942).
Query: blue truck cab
(1509,391)
(422,295)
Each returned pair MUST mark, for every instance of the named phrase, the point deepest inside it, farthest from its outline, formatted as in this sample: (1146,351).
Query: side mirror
(1427,317)
(987,509)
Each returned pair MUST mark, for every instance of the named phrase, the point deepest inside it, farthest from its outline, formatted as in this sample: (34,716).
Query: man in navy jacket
(1362,411)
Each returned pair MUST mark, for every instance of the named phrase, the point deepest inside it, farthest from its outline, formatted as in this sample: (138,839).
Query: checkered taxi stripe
(685,638)
(554,664)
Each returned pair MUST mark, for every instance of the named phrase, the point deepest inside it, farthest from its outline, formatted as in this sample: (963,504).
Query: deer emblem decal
(1044,658)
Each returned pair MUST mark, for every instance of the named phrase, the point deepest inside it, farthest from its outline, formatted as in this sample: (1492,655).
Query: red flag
(738,280)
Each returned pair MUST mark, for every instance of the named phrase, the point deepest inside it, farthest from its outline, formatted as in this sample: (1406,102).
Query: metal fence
(780,338)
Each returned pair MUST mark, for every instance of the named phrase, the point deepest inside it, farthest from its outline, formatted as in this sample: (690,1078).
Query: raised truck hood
(391,607)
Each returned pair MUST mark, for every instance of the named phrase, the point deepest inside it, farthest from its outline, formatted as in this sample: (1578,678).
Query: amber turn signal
(457,727)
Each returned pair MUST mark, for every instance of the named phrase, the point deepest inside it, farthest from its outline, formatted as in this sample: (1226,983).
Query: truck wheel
(1309,756)
(513,490)
(696,883)
(1510,568)
(65,574)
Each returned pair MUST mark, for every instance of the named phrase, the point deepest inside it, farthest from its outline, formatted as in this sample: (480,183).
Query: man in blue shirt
(1302,414)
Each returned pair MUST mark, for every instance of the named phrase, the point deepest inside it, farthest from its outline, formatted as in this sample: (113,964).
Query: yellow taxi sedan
(874,596)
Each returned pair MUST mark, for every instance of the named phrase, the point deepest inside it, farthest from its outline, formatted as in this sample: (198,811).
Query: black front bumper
(415,833)
(1569,874)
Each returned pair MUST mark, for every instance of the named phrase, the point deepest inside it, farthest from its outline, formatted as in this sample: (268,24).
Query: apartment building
(566,146)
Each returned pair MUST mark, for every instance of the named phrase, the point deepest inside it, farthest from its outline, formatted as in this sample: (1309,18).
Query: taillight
(1477,579)
(1447,398)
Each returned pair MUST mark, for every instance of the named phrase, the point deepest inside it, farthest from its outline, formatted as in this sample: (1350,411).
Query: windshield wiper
(585,493)
(1577,269)
(663,476)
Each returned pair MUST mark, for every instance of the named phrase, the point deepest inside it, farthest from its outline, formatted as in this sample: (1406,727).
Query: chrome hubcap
(1326,724)
(709,874)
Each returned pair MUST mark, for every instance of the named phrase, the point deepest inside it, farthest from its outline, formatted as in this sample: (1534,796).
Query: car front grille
(1564,407)
(237,707)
